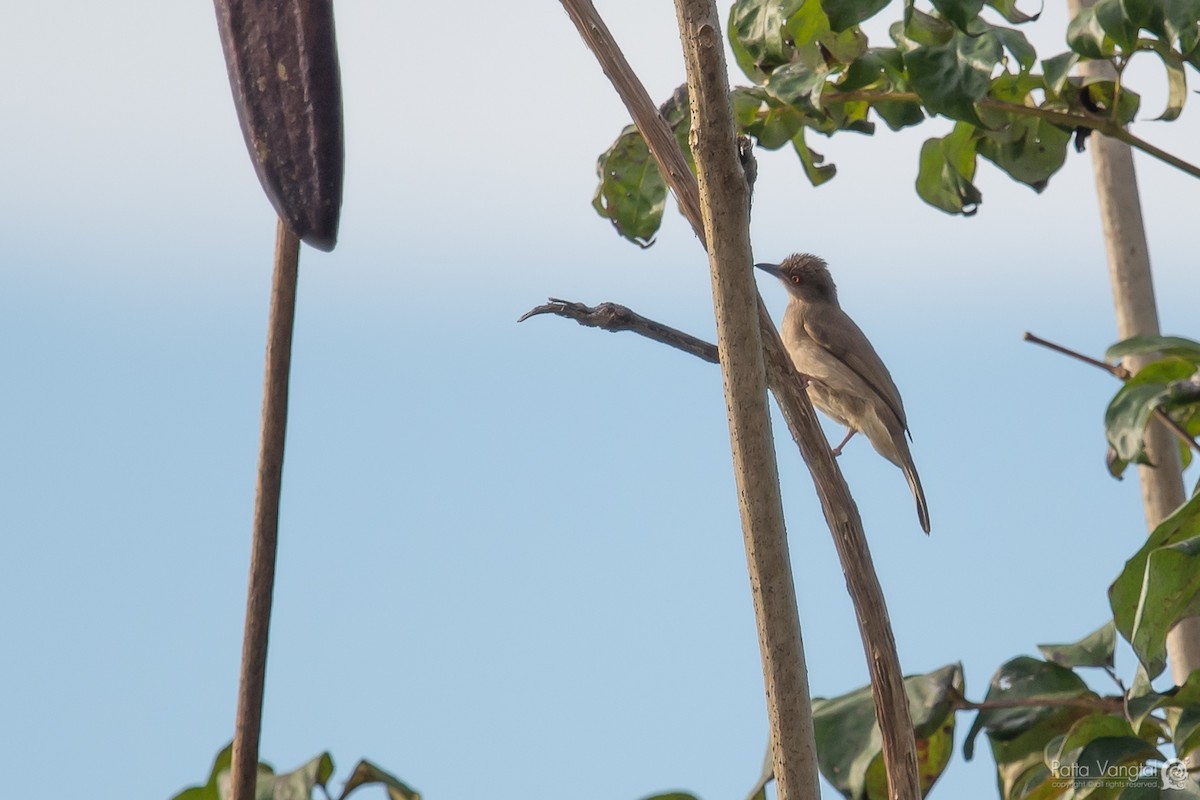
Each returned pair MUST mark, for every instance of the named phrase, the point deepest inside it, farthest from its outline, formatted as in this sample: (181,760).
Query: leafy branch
(814,71)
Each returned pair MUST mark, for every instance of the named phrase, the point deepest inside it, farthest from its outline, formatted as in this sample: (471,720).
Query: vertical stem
(248,724)
(1137,315)
(725,211)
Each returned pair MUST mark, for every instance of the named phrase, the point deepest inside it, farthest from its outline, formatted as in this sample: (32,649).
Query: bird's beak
(770,269)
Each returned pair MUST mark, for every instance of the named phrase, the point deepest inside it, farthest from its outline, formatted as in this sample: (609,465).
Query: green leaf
(1115,22)
(1164,345)
(1177,22)
(1015,43)
(301,781)
(757,35)
(1021,769)
(1093,650)
(1029,149)
(1135,402)
(949,73)
(1125,594)
(849,747)
(1176,80)
(1099,96)
(1057,69)
(1025,678)
(1008,10)
(1086,36)
(761,115)
(210,790)
(817,171)
(365,773)
(846,13)
(882,68)
(632,193)
(808,23)
(1171,593)
(1141,702)
(947,166)
(959,12)
(799,84)
(1185,733)
(1102,756)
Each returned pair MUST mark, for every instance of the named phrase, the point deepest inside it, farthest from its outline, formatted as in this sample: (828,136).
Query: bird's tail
(914,483)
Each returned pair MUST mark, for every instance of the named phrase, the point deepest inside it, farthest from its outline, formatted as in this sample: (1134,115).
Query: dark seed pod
(283,68)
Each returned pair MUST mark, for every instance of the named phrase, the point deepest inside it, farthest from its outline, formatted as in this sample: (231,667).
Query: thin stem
(248,724)
(1122,374)
(1116,370)
(1106,704)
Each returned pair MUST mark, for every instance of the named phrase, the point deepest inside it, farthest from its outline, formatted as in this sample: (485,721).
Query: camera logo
(1174,774)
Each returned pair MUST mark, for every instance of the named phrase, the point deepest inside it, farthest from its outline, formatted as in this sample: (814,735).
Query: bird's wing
(833,330)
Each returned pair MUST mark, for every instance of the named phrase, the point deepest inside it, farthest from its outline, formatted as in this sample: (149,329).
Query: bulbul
(844,375)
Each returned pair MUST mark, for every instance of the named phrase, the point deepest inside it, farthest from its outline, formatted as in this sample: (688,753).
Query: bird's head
(806,277)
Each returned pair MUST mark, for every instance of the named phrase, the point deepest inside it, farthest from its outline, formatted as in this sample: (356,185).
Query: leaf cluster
(814,71)
(299,783)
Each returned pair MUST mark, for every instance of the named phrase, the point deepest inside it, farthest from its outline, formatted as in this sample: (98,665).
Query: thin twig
(1122,374)
(1107,704)
(1116,370)
(266,515)
(615,318)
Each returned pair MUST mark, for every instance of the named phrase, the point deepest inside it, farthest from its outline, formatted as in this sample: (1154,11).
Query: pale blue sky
(510,558)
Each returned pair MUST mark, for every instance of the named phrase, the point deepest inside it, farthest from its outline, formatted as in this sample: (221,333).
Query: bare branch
(615,318)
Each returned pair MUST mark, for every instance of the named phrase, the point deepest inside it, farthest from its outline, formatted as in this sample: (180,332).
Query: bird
(844,376)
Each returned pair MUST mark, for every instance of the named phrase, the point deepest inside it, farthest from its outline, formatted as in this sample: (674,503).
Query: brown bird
(845,376)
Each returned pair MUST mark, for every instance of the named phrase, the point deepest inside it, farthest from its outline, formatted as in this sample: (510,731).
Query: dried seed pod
(283,68)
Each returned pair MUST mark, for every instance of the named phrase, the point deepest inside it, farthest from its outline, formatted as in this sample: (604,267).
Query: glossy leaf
(1135,402)
(1172,593)
(846,13)
(1113,18)
(1162,345)
(1126,592)
(815,169)
(1057,70)
(366,774)
(1025,678)
(1013,41)
(1176,80)
(1142,701)
(1030,150)
(1008,9)
(947,166)
(632,193)
(1176,22)
(849,748)
(758,36)
(799,83)
(959,12)
(1086,36)
(1094,650)
(950,73)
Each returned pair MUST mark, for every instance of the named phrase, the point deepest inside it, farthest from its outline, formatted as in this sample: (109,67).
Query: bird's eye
(796,279)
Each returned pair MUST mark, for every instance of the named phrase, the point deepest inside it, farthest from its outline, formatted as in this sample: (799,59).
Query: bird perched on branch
(844,375)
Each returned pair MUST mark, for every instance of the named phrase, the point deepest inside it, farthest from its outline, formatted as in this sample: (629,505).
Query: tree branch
(841,513)
(612,317)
